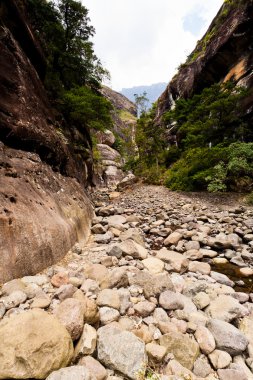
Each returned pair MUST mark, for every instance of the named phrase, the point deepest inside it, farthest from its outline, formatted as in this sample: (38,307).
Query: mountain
(153,92)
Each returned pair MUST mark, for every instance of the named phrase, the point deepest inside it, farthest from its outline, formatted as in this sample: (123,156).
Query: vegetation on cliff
(203,143)
(74,73)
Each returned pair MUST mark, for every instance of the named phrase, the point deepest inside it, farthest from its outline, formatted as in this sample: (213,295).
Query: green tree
(141,102)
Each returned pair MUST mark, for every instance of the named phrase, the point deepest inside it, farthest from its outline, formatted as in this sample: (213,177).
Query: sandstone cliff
(118,144)
(42,213)
(224,53)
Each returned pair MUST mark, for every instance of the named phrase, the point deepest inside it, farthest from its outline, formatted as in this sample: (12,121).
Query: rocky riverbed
(142,298)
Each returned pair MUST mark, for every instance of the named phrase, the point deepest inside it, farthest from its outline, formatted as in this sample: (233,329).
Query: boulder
(121,351)
(131,248)
(177,261)
(153,265)
(93,366)
(227,337)
(110,298)
(226,308)
(39,346)
(184,349)
(87,343)
(127,181)
(71,373)
(70,313)
(152,285)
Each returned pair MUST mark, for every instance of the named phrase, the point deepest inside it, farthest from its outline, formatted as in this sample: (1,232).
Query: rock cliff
(44,209)
(119,143)
(224,53)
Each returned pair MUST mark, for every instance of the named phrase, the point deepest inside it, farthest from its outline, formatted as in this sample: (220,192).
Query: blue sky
(143,41)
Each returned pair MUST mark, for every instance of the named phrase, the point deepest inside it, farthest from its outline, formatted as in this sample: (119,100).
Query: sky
(142,42)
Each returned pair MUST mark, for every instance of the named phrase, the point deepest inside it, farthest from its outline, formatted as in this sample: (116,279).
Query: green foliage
(191,170)
(85,108)
(141,102)
(209,117)
(217,179)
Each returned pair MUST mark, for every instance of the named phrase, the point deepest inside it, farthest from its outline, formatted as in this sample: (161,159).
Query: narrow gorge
(106,272)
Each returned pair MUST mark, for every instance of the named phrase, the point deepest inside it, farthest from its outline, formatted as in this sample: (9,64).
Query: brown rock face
(42,214)
(27,121)
(224,53)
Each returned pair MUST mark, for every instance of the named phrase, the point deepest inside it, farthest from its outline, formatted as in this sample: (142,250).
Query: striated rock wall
(225,52)
(116,145)
(44,208)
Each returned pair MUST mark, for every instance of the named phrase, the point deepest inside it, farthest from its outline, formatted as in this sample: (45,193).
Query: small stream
(232,271)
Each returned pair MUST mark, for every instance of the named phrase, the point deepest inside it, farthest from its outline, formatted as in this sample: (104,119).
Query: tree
(141,102)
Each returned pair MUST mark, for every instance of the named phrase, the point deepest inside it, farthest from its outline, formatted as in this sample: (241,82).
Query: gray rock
(144,308)
(222,279)
(152,285)
(94,367)
(178,262)
(226,308)
(14,299)
(103,238)
(176,301)
(227,337)
(201,367)
(121,351)
(65,291)
(220,359)
(110,298)
(232,374)
(108,315)
(71,373)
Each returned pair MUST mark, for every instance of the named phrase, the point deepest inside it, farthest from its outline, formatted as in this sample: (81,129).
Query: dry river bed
(143,298)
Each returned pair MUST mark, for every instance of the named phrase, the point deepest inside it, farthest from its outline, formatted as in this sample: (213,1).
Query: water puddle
(232,271)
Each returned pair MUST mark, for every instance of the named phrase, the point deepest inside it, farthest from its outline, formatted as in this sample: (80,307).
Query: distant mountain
(153,91)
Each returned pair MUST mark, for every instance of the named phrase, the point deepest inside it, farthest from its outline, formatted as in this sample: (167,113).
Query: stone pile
(140,299)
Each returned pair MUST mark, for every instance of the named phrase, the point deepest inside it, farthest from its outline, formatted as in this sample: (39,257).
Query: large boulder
(127,181)
(105,137)
(227,337)
(108,153)
(121,351)
(184,349)
(32,345)
(226,308)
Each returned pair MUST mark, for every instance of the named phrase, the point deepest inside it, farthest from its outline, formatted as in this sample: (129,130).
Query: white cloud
(143,41)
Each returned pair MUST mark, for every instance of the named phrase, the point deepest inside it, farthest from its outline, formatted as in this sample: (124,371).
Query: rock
(208,253)
(201,300)
(128,181)
(116,220)
(144,308)
(222,278)
(94,367)
(116,251)
(192,245)
(246,272)
(40,279)
(205,340)
(87,343)
(176,371)
(232,374)
(109,154)
(176,301)
(40,342)
(14,299)
(108,315)
(220,359)
(226,308)
(71,373)
(90,286)
(227,337)
(41,302)
(131,248)
(118,278)
(156,353)
(59,279)
(98,229)
(105,137)
(124,296)
(173,239)
(196,266)
(246,327)
(184,349)
(70,313)
(110,298)
(153,265)
(177,261)
(65,291)
(202,368)
(12,286)
(98,273)
(2,310)
(133,234)
(103,238)
(152,285)
(193,254)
